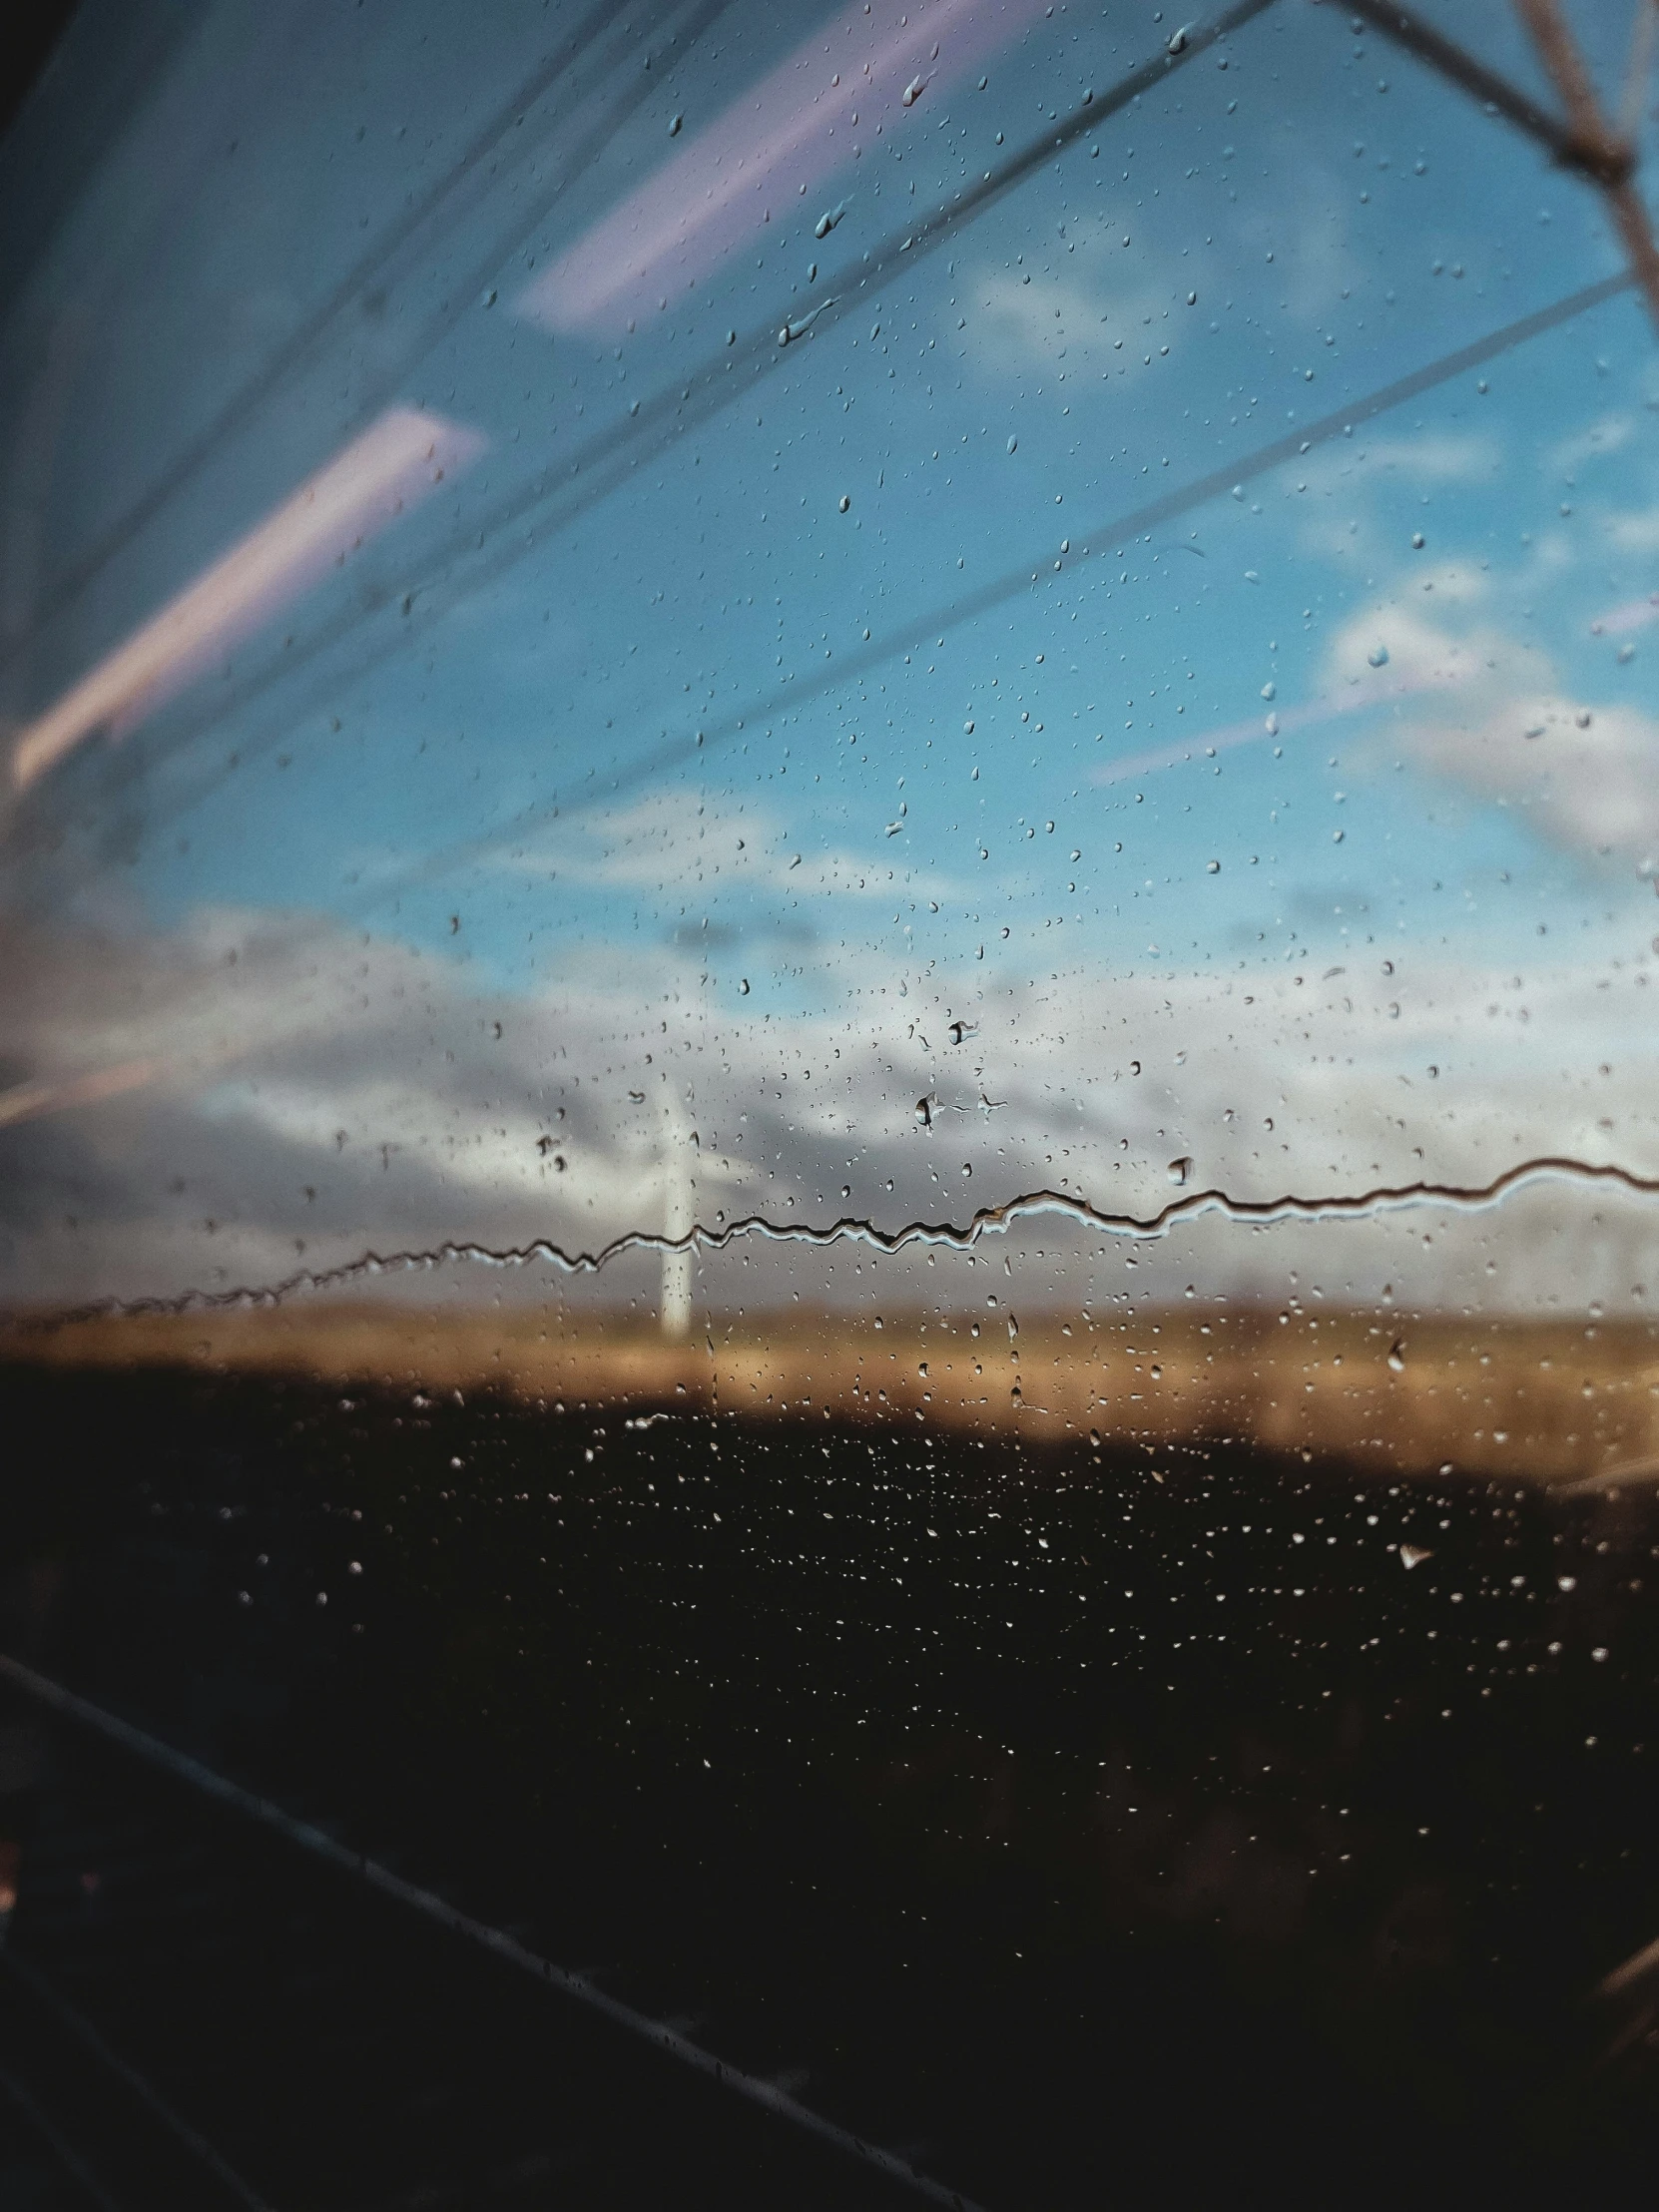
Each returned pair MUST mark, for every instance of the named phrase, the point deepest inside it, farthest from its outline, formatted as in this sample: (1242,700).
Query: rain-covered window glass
(830,844)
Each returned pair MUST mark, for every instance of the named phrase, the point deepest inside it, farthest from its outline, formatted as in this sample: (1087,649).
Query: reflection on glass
(327,518)
(906,1071)
(807,122)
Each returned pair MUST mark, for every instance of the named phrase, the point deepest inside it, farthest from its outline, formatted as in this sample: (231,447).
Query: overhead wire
(137,2084)
(939,619)
(1608,159)
(1428,43)
(63,591)
(65,2152)
(1583,141)
(659,2035)
(666,417)
(611,454)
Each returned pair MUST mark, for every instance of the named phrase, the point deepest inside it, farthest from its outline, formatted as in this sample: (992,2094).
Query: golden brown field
(1541,1401)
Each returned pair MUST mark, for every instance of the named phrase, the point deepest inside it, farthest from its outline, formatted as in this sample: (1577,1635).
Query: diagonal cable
(676,752)
(137,2084)
(64,591)
(659,2033)
(611,455)
(999,590)
(1616,176)
(1566,143)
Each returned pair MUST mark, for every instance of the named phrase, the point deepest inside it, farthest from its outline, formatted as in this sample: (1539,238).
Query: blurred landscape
(1009,1792)
(1415,1394)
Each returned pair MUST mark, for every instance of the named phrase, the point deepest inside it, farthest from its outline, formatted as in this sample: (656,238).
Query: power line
(64,591)
(1606,158)
(1001,590)
(1497,94)
(1012,583)
(613,453)
(137,2084)
(1585,142)
(506,1947)
(62,2148)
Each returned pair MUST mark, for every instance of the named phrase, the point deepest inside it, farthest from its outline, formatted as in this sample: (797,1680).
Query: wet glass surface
(829,871)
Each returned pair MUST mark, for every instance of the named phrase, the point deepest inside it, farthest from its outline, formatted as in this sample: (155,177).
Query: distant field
(1544,1402)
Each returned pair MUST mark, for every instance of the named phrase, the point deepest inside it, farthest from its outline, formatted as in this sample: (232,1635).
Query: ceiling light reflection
(815,113)
(396,463)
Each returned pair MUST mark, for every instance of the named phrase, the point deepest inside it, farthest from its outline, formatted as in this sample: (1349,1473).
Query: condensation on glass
(818,744)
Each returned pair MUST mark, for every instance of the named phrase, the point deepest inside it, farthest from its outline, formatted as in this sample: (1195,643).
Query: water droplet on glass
(1270,691)
(1377,657)
(676,125)
(924,1112)
(1179,1169)
(1212,868)
(1417,541)
(1413,1556)
(1396,1356)
(801,323)
(913,91)
(1014,444)
(844,502)
(743,986)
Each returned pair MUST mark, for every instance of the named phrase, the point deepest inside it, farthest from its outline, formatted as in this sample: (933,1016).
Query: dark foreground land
(1091,1827)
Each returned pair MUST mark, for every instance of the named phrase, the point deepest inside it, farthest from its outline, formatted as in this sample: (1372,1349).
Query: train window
(830,844)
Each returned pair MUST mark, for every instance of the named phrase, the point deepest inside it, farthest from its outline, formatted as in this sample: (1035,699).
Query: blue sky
(504,783)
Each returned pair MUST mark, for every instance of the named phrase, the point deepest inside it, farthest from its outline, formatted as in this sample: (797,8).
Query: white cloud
(1433,457)
(1019,319)
(384,1103)
(1585,775)
(1634,531)
(670,847)
(1597,440)
(1587,778)
(1420,655)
